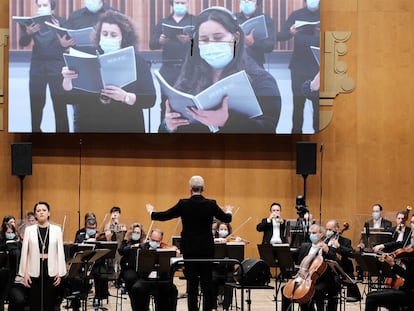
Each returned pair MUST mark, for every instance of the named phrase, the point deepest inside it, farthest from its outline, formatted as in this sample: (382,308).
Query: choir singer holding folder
(115,109)
(218,52)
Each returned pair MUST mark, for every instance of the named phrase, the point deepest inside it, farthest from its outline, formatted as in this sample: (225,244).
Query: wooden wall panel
(367,147)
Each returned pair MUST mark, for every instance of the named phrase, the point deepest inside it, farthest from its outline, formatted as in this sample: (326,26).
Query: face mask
(154,244)
(329,233)
(135,236)
(44,10)
(313,238)
(376,215)
(90,232)
(217,54)
(109,45)
(247,8)
(312,4)
(93,6)
(223,233)
(10,236)
(180,9)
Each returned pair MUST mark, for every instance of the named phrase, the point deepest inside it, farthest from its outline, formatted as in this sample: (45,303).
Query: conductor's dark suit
(197,215)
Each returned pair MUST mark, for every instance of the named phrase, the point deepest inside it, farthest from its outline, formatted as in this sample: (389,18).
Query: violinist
(165,293)
(222,273)
(400,235)
(88,233)
(133,238)
(88,215)
(273,227)
(394,298)
(326,285)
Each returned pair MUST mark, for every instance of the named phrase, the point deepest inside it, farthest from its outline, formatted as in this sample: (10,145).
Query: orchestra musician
(197,213)
(327,284)
(87,233)
(115,231)
(133,238)
(400,235)
(164,292)
(88,215)
(394,298)
(273,227)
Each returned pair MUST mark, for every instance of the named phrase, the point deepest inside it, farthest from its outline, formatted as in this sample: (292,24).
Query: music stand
(154,260)
(80,267)
(374,237)
(277,256)
(233,250)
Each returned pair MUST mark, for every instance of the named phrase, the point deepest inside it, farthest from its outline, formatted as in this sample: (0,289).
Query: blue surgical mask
(93,6)
(313,237)
(180,9)
(223,233)
(109,44)
(217,54)
(329,233)
(247,8)
(154,244)
(44,10)
(312,4)
(10,236)
(135,236)
(90,232)
(376,215)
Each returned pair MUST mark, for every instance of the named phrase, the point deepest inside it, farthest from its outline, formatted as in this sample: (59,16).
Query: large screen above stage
(164,66)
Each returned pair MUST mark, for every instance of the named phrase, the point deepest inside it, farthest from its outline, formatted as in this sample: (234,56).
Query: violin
(302,287)
(406,252)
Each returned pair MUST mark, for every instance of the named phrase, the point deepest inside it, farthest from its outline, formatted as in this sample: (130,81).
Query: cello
(302,287)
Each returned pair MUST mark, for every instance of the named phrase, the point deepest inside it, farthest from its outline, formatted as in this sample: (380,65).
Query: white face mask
(223,233)
(312,4)
(93,6)
(217,54)
(44,10)
(109,45)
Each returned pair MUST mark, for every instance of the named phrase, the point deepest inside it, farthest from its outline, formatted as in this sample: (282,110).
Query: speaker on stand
(305,161)
(21,156)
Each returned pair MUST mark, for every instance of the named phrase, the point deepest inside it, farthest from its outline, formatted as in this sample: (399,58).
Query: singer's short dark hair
(115,209)
(275,203)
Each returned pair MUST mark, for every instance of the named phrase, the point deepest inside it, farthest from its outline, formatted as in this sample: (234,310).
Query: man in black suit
(400,235)
(197,242)
(273,227)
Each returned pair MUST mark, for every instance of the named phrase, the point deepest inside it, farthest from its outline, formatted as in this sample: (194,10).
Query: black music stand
(232,250)
(154,260)
(80,267)
(373,236)
(344,278)
(277,256)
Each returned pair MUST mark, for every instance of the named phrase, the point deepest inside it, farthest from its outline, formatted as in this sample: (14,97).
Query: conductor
(197,242)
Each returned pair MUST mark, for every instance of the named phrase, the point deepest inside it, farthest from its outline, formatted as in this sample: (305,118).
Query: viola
(302,287)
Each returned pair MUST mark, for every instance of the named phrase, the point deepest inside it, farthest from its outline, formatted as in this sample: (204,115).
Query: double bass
(302,287)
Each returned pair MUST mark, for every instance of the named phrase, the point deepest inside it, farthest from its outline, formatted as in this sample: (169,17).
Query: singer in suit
(197,214)
(273,227)
(42,262)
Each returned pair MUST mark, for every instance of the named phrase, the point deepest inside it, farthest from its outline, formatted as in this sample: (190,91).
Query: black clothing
(302,64)
(45,70)
(392,298)
(394,244)
(197,214)
(267,229)
(128,251)
(260,47)
(173,51)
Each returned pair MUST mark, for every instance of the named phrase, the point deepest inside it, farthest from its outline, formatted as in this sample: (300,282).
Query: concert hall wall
(367,154)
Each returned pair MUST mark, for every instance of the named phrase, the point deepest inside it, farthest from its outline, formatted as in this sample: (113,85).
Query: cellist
(326,285)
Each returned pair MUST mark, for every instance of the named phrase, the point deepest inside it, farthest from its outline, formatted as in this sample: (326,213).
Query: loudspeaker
(256,272)
(305,158)
(21,154)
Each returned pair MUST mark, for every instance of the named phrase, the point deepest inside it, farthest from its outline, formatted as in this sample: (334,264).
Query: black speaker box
(21,154)
(256,273)
(305,158)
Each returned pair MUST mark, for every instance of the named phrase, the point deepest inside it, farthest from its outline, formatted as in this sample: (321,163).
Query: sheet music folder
(150,260)
(82,262)
(277,255)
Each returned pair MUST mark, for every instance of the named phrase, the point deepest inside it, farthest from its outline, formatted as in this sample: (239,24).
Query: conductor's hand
(378,248)
(57,280)
(228,208)
(27,281)
(149,208)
